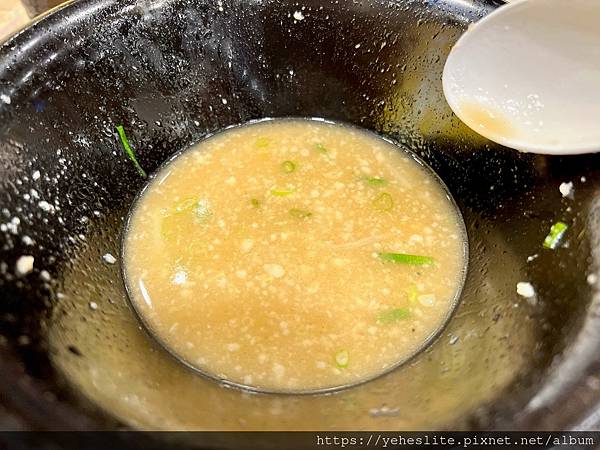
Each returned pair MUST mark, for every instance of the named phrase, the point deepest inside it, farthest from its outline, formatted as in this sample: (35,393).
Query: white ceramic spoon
(527,76)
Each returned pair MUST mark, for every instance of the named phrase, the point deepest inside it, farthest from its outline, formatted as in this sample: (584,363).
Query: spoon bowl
(527,76)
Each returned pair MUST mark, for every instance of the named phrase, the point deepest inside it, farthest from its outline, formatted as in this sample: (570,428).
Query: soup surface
(294,255)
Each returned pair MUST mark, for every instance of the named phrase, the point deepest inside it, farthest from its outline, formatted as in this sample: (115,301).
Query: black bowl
(171,71)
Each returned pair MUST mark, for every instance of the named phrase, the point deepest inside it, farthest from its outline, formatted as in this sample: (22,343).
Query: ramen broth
(294,255)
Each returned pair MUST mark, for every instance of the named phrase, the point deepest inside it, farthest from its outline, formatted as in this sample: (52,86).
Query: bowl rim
(36,411)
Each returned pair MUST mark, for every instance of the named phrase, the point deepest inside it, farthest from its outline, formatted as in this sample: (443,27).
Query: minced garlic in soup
(294,255)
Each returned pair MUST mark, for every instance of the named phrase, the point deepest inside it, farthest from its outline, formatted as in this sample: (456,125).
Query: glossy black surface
(163,69)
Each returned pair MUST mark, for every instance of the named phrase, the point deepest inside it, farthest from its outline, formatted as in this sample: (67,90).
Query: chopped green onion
(393,315)
(186,204)
(383,202)
(320,147)
(255,202)
(129,151)
(300,213)
(374,181)
(288,166)
(342,358)
(262,142)
(557,232)
(198,210)
(281,192)
(404,258)
(199,207)
(413,294)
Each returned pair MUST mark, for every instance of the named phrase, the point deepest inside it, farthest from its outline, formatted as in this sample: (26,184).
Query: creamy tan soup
(294,255)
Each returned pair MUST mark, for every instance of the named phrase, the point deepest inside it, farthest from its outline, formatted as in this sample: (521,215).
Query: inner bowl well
(155,181)
(175,70)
